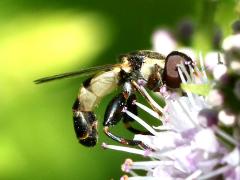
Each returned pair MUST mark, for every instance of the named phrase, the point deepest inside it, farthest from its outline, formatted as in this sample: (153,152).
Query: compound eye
(170,74)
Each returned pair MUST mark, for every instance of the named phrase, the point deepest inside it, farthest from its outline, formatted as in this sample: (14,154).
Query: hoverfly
(139,68)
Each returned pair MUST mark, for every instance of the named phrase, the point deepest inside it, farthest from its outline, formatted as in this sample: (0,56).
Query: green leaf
(200,89)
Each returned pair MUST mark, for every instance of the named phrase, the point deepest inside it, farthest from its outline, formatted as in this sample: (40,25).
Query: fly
(140,68)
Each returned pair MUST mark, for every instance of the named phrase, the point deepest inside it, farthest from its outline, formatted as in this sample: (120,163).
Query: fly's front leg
(151,102)
(113,115)
(155,82)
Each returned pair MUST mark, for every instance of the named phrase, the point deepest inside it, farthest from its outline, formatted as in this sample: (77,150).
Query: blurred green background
(41,38)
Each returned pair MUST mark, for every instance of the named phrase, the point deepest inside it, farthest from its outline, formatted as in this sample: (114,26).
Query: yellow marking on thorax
(126,65)
(148,65)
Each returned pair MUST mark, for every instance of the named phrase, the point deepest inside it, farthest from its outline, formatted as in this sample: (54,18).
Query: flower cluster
(199,135)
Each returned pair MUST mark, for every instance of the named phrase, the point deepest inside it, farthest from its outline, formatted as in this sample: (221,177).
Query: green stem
(207,14)
(206,24)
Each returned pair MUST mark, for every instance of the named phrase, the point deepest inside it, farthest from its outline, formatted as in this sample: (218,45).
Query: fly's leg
(151,102)
(155,82)
(127,120)
(113,115)
(125,141)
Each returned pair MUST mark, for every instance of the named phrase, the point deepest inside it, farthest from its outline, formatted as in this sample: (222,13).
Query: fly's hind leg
(113,115)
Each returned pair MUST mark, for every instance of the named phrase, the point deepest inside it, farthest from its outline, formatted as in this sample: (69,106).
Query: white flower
(226,118)
(215,98)
(163,42)
(233,160)
(219,71)
(212,59)
(231,42)
(231,46)
(188,143)
(189,51)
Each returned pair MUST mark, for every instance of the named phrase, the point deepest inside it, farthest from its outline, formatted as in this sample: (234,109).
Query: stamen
(163,89)
(171,113)
(186,110)
(191,100)
(125,149)
(194,175)
(215,173)
(140,178)
(181,74)
(225,136)
(163,128)
(184,70)
(190,79)
(202,67)
(220,61)
(145,94)
(142,82)
(148,110)
(127,165)
(199,74)
(209,163)
(140,121)
(133,173)
(150,164)
(151,99)
(191,74)
(125,177)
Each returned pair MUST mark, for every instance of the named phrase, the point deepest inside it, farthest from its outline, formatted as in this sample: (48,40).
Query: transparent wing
(87,71)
